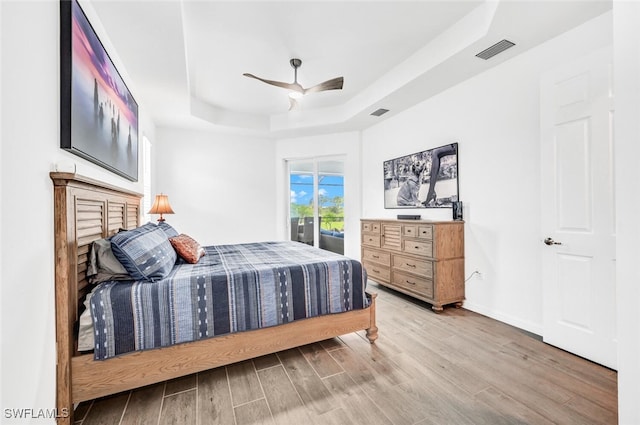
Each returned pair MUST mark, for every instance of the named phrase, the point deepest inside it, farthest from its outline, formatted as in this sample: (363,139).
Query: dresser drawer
(420,267)
(375,271)
(415,284)
(410,230)
(418,247)
(376,256)
(371,239)
(425,232)
(371,226)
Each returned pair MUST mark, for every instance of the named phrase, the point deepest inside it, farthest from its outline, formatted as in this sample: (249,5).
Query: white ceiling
(185,59)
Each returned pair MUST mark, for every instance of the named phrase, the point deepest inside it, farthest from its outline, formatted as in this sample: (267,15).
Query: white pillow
(85,328)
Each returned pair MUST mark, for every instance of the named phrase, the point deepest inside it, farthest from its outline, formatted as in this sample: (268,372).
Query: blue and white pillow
(145,252)
(168,229)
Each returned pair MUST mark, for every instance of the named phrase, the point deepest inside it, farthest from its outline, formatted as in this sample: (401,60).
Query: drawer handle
(410,265)
(416,247)
(410,283)
(375,256)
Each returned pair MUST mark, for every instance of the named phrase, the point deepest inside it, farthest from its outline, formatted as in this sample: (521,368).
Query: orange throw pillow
(187,248)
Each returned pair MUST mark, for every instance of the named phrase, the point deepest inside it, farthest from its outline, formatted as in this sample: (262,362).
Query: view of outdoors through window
(330,199)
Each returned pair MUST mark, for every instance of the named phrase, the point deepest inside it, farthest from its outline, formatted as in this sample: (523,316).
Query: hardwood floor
(457,367)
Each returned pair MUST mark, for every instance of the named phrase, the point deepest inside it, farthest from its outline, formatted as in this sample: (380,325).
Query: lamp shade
(161,206)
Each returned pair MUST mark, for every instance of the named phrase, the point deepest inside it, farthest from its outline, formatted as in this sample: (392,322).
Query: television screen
(427,179)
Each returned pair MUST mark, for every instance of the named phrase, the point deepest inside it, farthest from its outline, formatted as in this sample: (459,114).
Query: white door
(578,240)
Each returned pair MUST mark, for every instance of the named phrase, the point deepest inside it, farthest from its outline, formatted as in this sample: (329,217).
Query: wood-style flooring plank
(179,409)
(378,357)
(500,364)
(264,362)
(144,406)
(284,402)
(578,367)
(510,409)
(439,404)
(443,401)
(107,410)
(366,372)
(420,349)
(81,411)
(586,389)
(334,417)
(244,383)
(533,387)
(320,360)
(400,403)
(214,398)
(178,385)
(306,381)
(253,413)
(591,412)
(359,409)
(332,344)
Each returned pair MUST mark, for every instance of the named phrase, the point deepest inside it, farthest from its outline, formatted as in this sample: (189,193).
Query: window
(146,178)
(317,197)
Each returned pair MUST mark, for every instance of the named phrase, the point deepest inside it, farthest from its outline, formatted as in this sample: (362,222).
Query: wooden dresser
(424,259)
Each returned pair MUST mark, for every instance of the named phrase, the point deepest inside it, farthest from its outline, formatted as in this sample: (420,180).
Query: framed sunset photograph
(98,115)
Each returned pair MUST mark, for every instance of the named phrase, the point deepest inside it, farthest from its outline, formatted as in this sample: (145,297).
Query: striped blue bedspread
(232,288)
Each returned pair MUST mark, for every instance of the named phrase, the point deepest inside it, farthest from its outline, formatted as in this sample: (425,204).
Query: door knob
(550,241)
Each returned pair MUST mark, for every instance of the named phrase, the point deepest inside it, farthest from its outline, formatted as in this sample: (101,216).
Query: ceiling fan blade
(290,86)
(333,84)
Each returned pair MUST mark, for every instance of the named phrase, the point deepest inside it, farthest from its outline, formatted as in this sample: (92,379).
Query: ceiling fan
(297,90)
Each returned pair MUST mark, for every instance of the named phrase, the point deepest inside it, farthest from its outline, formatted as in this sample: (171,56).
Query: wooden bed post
(372,331)
(64,338)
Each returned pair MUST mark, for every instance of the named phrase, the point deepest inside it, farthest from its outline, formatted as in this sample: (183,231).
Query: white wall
(30,148)
(495,119)
(1,197)
(346,145)
(626,36)
(222,187)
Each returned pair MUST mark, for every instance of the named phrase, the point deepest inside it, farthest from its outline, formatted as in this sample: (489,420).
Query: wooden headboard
(84,210)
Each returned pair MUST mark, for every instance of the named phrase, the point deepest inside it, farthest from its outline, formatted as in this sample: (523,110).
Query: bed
(86,210)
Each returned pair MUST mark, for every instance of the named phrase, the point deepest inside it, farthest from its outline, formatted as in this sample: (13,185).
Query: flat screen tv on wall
(427,179)
(98,114)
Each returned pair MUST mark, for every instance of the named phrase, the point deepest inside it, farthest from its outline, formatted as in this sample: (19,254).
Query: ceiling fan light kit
(296,91)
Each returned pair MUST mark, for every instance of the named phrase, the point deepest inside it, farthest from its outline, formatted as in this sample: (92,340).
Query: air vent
(499,47)
(379,112)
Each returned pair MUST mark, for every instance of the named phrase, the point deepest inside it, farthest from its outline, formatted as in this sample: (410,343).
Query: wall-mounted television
(98,114)
(427,179)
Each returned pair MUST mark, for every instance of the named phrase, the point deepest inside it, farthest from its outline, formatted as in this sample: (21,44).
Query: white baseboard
(535,328)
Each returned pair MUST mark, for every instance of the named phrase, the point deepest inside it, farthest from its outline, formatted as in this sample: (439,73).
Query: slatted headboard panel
(89,218)
(85,210)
